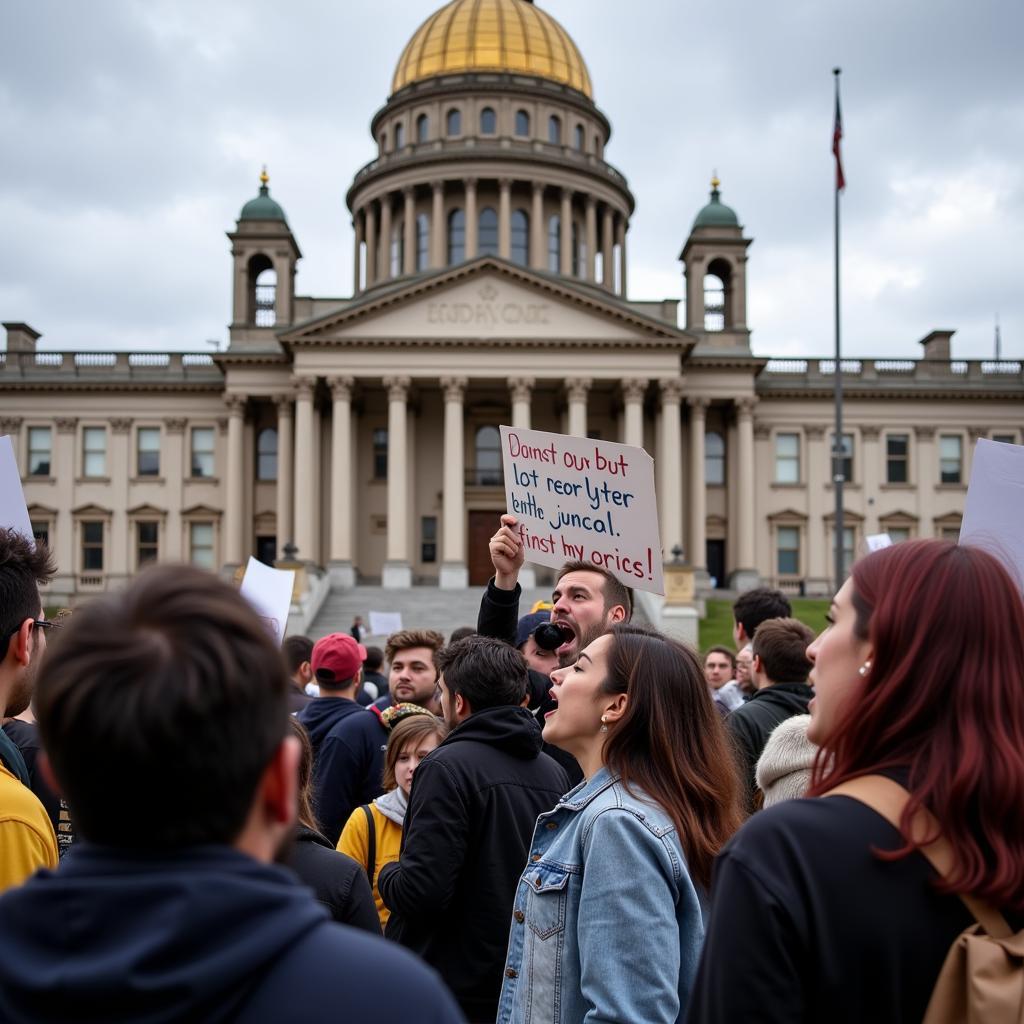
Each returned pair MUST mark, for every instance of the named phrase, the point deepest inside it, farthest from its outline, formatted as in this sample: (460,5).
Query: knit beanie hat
(527,624)
(784,767)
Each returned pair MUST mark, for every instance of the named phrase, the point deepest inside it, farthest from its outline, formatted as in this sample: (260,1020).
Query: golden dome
(492,35)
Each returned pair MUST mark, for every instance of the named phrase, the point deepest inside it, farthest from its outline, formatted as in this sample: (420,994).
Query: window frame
(379,453)
(456,247)
(789,458)
(554,130)
(193,451)
(399,136)
(454,116)
(714,458)
(86,545)
(522,230)
(521,124)
(422,234)
(796,550)
(88,432)
(554,243)
(261,472)
(488,248)
(892,460)
(30,451)
(958,438)
(422,129)
(428,540)
(193,547)
(148,431)
(490,113)
(153,545)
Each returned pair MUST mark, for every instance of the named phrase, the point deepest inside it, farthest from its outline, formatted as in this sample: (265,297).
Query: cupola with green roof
(716,214)
(262,207)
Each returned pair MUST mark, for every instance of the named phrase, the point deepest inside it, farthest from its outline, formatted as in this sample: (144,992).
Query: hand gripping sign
(587,500)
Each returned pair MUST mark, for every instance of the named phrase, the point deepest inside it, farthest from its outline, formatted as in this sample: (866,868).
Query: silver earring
(604,728)
(865,668)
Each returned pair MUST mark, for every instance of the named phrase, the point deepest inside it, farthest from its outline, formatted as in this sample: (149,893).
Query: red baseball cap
(338,656)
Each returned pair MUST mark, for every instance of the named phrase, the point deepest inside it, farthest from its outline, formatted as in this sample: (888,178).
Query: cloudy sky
(132,133)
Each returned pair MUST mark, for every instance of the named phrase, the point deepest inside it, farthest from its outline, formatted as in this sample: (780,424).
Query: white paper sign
(877,541)
(269,591)
(582,499)
(994,511)
(13,510)
(383,623)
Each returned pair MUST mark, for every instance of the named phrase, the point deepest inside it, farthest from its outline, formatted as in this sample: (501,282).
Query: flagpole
(837,444)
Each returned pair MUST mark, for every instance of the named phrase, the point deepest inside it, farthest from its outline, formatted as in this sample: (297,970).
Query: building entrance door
(482,526)
(716,561)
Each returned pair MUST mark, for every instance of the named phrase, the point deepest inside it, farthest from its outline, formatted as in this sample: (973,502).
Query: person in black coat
(474,803)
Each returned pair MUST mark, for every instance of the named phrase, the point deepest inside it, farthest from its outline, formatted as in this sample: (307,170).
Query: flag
(837,134)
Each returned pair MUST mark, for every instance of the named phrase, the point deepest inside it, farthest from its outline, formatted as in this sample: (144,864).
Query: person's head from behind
(779,648)
(752,607)
(374,660)
(412,656)
(24,566)
(920,668)
(537,657)
(719,667)
(171,694)
(337,663)
(479,673)
(305,815)
(637,701)
(461,633)
(411,739)
(297,651)
(587,599)
(744,665)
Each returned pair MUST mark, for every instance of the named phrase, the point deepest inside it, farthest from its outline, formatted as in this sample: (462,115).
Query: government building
(490,237)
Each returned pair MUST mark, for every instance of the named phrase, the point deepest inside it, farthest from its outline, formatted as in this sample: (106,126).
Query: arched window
(520,251)
(399,136)
(488,234)
(422,128)
(397,249)
(453,125)
(488,121)
(579,137)
(266,454)
(579,258)
(488,457)
(555,130)
(456,237)
(716,291)
(554,243)
(714,458)
(262,292)
(422,241)
(522,123)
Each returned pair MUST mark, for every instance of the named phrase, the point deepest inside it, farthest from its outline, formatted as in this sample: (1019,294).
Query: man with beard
(586,600)
(27,840)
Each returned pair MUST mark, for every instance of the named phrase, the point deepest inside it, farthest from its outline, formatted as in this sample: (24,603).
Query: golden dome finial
(714,180)
(264,177)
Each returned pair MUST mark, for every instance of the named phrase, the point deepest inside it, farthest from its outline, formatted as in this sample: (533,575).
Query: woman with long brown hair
(608,914)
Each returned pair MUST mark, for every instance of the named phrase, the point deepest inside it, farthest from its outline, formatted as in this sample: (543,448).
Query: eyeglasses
(47,623)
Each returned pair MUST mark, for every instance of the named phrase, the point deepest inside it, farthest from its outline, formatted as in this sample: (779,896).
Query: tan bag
(982,979)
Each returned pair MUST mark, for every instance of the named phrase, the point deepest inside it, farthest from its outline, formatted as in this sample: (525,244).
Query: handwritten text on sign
(587,500)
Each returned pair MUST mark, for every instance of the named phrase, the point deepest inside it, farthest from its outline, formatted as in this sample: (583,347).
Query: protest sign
(995,496)
(877,541)
(13,510)
(577,498)
(269,591)
(383,623)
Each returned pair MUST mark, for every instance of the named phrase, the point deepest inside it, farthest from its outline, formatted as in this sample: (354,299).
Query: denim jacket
(607,924)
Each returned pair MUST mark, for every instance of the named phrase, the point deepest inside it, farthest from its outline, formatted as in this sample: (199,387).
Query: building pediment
(490,301)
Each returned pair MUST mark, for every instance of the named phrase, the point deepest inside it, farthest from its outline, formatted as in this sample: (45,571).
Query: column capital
(283,402)
(235,404)
(409,191)
(505,182)
(10,424)
(521,387)
(341,388)
(567,193)
(591,201)
(762,432)
(304,386)
(745,406)
(815,431)
(397,388)
(671,390)
(454,388)
(121,424)
(870,433)
(924,433)
(976,432)
(634,388)
(66,424)
(538,186)
(222,424)
(698,404)
(175,426)
(577,387)
(469,182)
(437,185)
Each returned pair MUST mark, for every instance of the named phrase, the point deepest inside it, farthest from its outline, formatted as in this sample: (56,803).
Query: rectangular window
(849,540)
(200,545)
(950,458)
(148,451)
(1005,438)
(788,542)
(951,533)
(787,458)
(846,462)
(897,458)
(380,453)
(202,451)
(41,532)
(92,546)
(94,451)
(147,541)
(428,539)
(898,534)
(40,451)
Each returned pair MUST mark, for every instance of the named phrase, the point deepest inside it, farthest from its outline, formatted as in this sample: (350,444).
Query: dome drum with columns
(490,287)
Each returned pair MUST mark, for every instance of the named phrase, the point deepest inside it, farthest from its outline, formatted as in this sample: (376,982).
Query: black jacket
(753,722)
(337,881)
(297,699)
(321,715)
(198,934)
(474,804)
(498,618)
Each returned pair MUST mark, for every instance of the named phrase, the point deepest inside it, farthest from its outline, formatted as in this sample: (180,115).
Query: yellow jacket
(355,842)
(27,842)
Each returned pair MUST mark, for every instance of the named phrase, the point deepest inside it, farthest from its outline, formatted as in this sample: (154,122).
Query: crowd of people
(559,816)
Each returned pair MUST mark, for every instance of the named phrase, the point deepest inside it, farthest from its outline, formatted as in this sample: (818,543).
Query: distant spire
(714,186)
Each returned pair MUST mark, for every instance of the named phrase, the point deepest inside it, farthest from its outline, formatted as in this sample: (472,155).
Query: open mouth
(569,634)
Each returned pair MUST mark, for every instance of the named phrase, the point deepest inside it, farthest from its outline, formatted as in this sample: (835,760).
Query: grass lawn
(717,627)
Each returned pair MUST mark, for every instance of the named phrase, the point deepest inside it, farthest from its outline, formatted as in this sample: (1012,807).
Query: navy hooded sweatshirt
(202,934)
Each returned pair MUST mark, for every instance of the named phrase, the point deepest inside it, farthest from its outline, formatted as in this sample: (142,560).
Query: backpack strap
(889,798)
(371,841)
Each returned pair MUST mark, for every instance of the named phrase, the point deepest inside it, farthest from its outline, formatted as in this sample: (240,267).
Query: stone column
(591,233)
(505,218)
(576,388)
(746,576)
(819,504)
(633,391)
(670,459)
(120,466)
(437,225)
(620,232)
(521,388)
(472,224)
(64,469)
(870,468)
(698,490)
(173,462)
(234,473)
(357,228)
(565,237)
(608,248)
(384,260)
(538,231)
(285,470)
(340,567)
(397,572)
(371,244)
(454,574)
(305,468)
(409,231)
(925,471)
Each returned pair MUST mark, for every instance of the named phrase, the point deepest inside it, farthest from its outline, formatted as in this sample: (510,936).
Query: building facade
(490,243)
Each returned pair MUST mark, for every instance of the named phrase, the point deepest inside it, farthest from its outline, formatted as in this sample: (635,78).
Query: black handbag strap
(371,844)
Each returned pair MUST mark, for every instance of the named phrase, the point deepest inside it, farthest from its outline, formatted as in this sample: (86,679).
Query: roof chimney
(937,345)
(21,338)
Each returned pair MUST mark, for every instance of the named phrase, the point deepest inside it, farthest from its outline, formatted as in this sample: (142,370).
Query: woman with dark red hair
(823,910)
